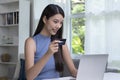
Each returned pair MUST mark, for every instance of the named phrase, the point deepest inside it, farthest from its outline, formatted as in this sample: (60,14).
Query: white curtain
(103,29)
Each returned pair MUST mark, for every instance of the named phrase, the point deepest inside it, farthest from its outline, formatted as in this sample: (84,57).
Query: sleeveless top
(42,44)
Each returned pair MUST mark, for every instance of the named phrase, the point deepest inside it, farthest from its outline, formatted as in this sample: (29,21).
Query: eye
(55,21)
(61,23)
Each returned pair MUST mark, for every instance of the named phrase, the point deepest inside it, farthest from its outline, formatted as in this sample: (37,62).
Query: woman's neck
(45,33)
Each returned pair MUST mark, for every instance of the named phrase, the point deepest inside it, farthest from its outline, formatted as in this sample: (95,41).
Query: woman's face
(53,24)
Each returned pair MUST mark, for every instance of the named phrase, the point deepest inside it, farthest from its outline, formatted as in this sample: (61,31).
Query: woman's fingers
(54,46)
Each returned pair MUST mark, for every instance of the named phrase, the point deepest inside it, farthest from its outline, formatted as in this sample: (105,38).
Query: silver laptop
(91,67)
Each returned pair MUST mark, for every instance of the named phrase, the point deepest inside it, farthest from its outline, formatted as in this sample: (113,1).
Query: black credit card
(62,41)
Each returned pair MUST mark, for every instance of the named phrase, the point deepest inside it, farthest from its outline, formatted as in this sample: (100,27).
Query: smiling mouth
(55,30)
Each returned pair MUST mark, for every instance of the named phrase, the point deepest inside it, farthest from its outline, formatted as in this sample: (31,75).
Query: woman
(44,57)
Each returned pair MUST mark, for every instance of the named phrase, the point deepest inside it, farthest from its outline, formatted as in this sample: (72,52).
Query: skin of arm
(68,60)
(32,70)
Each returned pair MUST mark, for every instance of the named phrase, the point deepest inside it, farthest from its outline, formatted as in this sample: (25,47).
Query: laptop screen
(92,67)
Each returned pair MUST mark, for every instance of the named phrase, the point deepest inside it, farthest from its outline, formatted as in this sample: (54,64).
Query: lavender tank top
(42,43)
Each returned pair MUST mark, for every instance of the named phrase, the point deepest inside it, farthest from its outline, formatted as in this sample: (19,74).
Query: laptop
(91,67)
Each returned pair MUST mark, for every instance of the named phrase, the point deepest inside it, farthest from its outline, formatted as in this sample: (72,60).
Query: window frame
(74,16)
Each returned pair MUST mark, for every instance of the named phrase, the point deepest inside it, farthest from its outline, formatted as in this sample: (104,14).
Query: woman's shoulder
(29,40)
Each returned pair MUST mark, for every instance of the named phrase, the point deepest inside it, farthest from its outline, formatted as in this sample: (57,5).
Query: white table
(111,76)
(107,76)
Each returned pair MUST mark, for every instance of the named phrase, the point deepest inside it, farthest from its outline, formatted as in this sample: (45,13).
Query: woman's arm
(68,60)
(32,70)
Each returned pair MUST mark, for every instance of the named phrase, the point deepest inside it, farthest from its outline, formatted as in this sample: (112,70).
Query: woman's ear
(44,19)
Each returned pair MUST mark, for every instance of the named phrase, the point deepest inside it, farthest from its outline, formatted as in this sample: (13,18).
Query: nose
(59,25)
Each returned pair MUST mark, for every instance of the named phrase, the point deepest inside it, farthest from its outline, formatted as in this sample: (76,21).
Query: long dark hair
(49,11)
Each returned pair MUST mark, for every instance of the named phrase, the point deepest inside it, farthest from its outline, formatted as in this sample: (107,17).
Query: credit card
(62,41)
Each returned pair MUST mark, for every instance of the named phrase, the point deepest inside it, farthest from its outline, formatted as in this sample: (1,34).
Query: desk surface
(111,76)
(107,76)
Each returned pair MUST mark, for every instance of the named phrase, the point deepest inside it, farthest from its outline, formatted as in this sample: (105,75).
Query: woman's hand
(53,47)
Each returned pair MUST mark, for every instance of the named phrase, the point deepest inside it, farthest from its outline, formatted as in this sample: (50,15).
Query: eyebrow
(58,20)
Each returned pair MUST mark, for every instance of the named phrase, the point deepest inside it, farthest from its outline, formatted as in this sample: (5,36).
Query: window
(78,26)
(102,30)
